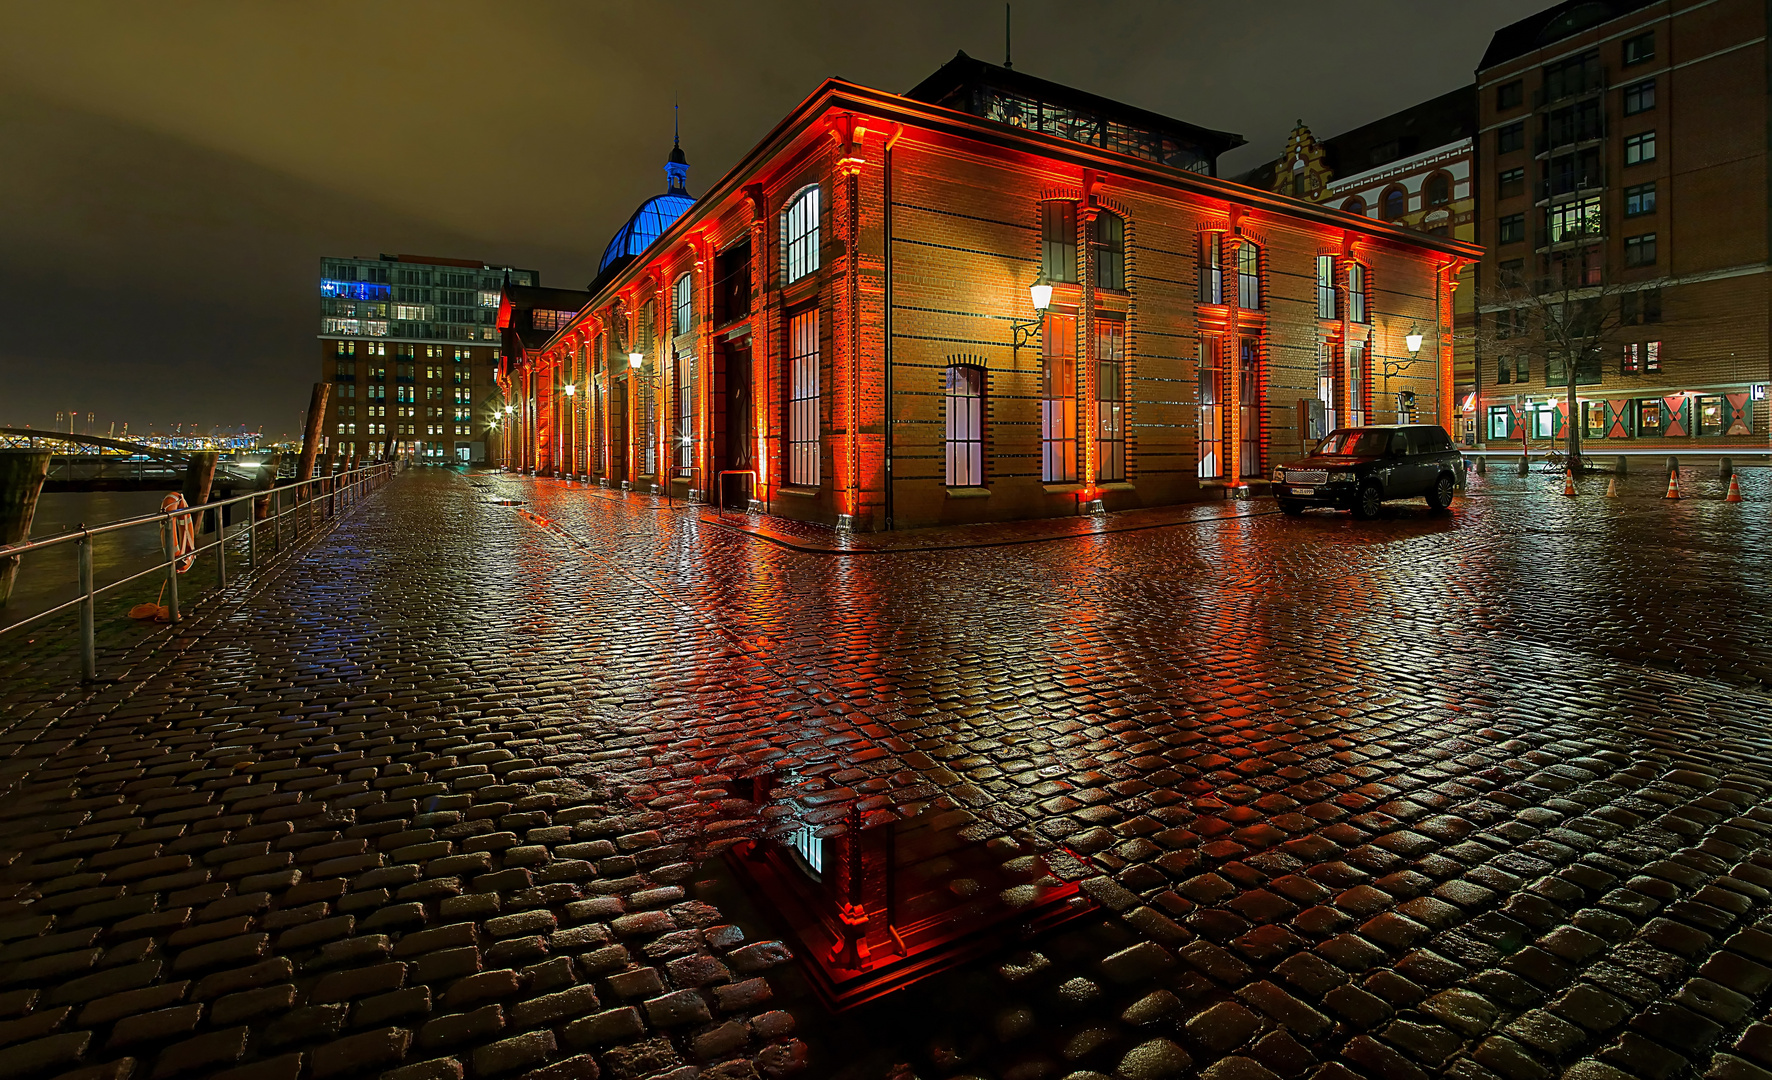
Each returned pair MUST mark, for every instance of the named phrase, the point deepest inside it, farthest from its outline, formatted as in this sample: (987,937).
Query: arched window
(683,303)
(1110,251)
(1248,275)
(1393,204)
(799,235)
(964,386)
(1355,205)
(1439,189)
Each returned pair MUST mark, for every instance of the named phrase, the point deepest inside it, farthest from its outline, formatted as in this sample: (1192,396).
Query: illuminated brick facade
(931,224)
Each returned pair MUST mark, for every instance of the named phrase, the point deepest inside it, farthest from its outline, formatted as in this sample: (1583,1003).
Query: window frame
(1510,137)
(683,303)
(800,234)
(803,449)
(1249,277)
(1632,51)
(1427,188)
(1058,398)
(1644,92)
(1326,305)
(1110,412)
(1510,95)
(1211,267)
(1643,195)
(1058,239)
(1359,293)
(1518,229)
(1110,251)
(1384,203)
(1636,143)
(1354,205)
(963,389)
(1640,250)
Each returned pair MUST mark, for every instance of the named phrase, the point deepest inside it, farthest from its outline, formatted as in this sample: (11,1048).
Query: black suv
(1359,468)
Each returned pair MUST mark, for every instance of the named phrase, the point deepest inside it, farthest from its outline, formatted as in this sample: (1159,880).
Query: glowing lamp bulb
(1413,341)
(570,388)
(510,409)
(636,359)
(1041,294)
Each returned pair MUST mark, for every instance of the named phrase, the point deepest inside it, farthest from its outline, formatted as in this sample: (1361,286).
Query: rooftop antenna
(676,125)
(1008,62)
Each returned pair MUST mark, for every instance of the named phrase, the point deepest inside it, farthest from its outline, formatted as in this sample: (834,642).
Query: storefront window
(1710,415)
(1649,421)
(1596,418)
(1498,425)
(1544,423)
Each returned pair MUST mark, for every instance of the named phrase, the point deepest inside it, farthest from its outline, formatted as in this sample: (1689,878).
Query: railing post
(168,530)
(277,515)
(221,551)
(88,652)
(252,534)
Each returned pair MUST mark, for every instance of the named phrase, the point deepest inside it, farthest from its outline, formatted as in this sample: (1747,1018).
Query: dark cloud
(172,172)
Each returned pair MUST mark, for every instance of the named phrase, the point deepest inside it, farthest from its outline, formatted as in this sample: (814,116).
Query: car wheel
(1366,504)
(1441,496)
(1290,507)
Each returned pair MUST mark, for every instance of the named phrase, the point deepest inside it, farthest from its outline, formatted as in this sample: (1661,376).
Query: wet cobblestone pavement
(1471,796)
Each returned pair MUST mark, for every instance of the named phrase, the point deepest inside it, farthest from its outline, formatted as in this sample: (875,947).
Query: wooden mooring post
(21,481)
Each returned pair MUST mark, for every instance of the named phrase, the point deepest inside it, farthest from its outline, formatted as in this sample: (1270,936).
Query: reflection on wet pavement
(1478,794)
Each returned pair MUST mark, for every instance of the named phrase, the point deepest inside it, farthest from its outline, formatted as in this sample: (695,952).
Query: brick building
(1416,168)
(410,345)
(843,328)
(1623,143)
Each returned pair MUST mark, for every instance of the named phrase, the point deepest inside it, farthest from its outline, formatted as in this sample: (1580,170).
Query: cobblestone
(1550,854)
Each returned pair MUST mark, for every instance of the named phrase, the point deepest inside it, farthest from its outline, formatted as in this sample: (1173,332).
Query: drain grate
(507,502)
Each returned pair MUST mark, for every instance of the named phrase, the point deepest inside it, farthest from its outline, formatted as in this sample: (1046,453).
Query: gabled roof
(1433,123)
(1552,25)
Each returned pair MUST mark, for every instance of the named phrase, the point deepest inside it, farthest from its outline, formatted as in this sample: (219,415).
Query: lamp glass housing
(636,359)
(1413,341)
(1041,293)
(570,388)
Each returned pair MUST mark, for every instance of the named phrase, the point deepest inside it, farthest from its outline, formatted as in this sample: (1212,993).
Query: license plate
(1303,490)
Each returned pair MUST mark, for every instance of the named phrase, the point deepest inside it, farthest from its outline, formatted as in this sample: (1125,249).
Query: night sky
(171,173)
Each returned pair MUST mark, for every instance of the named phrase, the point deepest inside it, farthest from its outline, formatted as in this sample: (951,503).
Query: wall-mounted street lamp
(570,389)
(636,359)
(1028,330)
(1412,340)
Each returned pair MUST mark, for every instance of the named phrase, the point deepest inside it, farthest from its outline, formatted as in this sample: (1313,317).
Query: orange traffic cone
(1734,490)
(1673,484)
(1569,482)
(1612,488)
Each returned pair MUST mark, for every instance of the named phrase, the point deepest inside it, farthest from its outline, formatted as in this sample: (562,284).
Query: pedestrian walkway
(1471,795)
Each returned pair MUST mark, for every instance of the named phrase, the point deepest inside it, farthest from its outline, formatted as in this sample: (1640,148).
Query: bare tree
(1565,324)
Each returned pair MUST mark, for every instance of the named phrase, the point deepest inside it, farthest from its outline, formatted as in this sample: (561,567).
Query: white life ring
(184,531)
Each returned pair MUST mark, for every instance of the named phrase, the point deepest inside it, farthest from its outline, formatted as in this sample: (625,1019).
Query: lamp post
(635,362)
(570,427)
(1026,331)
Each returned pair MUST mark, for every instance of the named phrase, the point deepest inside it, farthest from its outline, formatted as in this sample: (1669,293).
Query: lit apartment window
(1639,199)
(1325,286)
(1639,148)
(1211,269)
(964,386)
(1571,220)
(1633,359)
(1248,275)
(799,235)
(1058,240)
(1358,309)
(1639,97)
(1058,405)
(803,446)
(1652,356)
(1110,398)
(1639,250)
(1110,251)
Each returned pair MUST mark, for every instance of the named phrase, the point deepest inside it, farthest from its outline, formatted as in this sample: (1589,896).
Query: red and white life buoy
(184,531)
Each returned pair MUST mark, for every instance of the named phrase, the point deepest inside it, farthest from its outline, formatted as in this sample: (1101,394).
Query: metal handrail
(328,496)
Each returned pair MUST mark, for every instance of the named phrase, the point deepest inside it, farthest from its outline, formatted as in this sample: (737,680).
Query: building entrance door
(618,432)
(737,441)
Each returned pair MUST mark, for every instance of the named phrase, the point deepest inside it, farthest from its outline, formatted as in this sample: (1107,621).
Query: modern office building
(1623,147)
(1414,168)
(410,345)
(992,297)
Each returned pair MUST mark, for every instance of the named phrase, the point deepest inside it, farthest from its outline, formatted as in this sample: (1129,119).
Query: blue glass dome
(655,214)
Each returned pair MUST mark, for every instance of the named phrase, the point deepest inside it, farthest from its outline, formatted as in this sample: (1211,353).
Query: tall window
(1356,383)
(1210,372)
(1325,286)
(683,304)
(1639,148)
(1358,310)
(684,380)
(1211,269)
(1110,398)
(1248,275)
(1328,387)
(1249,411)
(1110,251)
(799,235)
(1393,204)
(1058,407)
(1058,240)
(803,450)
(1439,189)
(964,384)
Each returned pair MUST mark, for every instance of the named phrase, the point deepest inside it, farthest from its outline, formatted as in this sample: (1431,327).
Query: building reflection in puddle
(875,902)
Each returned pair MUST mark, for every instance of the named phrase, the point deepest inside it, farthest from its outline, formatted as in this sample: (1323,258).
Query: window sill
(969,493)
(1117,485)
(802,492)
(1061,489)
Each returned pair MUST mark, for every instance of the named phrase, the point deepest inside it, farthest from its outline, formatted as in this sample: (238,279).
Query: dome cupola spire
(676,165)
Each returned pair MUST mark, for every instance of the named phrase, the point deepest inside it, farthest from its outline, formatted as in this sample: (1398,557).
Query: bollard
(21,480)
(199,478)
(88,650)
(1673,464)
(1725,469)
(1482,466)
(1525,465)
(1622,466)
